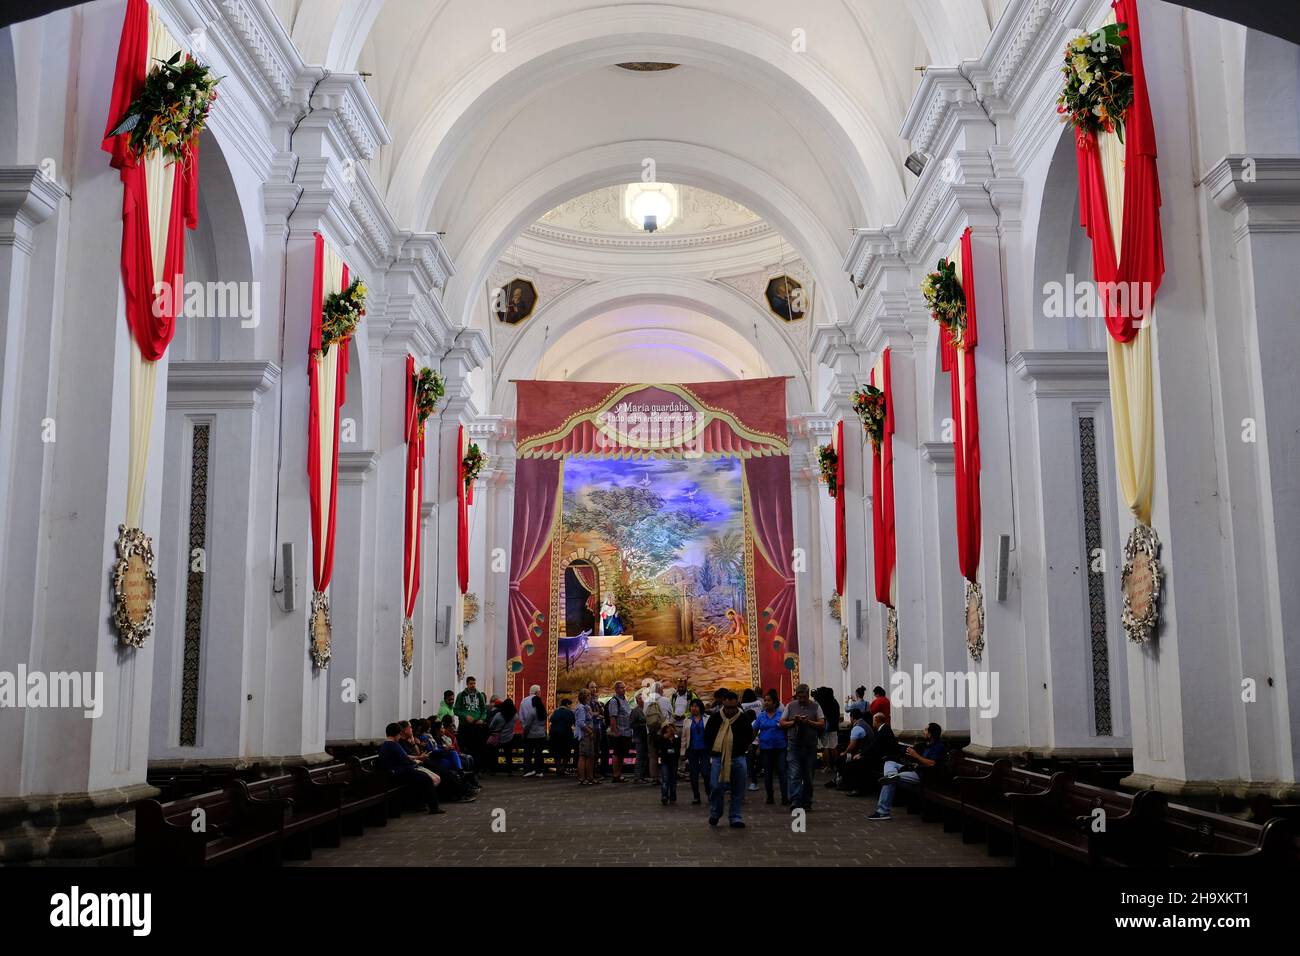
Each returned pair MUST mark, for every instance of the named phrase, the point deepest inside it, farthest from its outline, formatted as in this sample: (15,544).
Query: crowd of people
(723,747)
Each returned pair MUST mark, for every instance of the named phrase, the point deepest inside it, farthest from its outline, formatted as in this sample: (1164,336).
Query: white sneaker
(530,774)
(753,786)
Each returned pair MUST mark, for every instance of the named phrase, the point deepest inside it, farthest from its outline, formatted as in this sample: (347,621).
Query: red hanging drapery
(463,500)
(323,550)
(1139,263)
(151,318)
(959,361)
(414,494)
(882,492)
(841,546)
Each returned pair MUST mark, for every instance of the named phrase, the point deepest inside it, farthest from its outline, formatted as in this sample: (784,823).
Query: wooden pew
(1200,838)
(308,813)
(206,829)
(985,808)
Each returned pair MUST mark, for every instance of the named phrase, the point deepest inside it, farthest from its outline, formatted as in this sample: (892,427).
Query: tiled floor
(556,822)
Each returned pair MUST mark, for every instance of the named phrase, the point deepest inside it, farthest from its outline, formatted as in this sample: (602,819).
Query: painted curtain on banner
(1119,195)
(327,373)
(671,505)
(159,202)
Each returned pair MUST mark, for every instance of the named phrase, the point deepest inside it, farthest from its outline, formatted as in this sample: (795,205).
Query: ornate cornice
(222,384)
(1063,373)
(1261,192)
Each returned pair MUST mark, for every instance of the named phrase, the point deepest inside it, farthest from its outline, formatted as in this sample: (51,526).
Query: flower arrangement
(341,313)
(828,460)
(944,295)
(869,403)
(172,108)
(472,463)
(1098,89)
(429,388)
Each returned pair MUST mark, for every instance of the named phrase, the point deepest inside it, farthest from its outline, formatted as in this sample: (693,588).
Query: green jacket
(445,710)
(478,713)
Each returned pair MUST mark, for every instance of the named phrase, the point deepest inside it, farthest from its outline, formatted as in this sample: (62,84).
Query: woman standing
(771,746)
(501,734)
(697,754)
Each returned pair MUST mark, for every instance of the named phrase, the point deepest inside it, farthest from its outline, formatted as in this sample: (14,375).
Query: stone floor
(556,822)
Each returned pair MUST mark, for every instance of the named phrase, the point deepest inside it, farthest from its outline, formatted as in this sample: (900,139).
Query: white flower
(171,86)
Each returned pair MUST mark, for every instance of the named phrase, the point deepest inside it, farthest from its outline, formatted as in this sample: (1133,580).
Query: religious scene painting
(653,573)
(515,301)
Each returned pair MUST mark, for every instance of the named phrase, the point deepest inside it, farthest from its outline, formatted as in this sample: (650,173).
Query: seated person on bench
(408,770)
(932,753)
(446,763)
(856,762)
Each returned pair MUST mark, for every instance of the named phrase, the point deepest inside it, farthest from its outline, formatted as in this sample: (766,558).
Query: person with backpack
(563,742)
(656,712)
(829,740)
(619,714)
(639,738)
(532,717)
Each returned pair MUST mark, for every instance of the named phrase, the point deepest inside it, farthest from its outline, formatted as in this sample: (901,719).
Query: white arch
(682,163)
(721,303)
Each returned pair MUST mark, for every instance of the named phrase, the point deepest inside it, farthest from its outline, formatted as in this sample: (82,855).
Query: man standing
(619,713)
(931,754)
(727,736)
(471,710)
(803,723)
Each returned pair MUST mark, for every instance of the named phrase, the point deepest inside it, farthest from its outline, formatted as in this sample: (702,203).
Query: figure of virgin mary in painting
(609,620)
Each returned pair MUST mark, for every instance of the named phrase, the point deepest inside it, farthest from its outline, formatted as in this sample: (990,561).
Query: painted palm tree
(727,550)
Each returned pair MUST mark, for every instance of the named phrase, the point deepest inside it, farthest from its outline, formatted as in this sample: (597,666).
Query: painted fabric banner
(653,538)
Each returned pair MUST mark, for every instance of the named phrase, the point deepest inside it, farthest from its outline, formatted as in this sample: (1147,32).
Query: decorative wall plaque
(891,637)
(834,605)
(844,647)
(408,646)
(1141,584)
(975,620)
(318,629)
(462,657)
(134,586)
(471,608)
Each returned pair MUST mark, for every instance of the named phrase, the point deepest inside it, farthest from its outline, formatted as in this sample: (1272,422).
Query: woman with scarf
(728,736)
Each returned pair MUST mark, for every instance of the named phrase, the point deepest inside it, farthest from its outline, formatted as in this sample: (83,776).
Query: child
(669,749)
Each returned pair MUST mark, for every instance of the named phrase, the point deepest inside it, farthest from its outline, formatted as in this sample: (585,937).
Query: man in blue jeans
(803,722)
(931,754)
(727,737)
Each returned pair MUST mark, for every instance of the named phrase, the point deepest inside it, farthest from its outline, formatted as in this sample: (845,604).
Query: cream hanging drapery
(1129,365)
(327,379)
(159,180)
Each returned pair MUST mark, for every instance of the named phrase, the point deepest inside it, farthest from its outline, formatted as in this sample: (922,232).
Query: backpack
(654,715)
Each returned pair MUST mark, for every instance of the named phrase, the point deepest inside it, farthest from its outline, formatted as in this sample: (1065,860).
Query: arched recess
(1061,251)
(582,556)
(1271,94)
(588,39)
(723,304)
(8,100)
(682,163)
(218,255)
